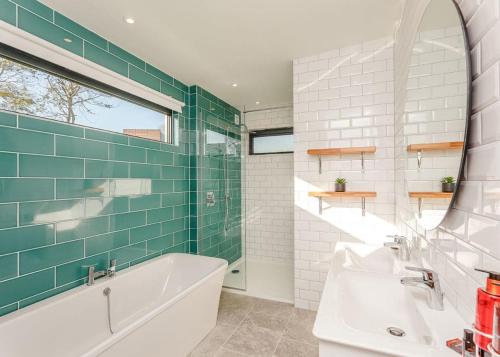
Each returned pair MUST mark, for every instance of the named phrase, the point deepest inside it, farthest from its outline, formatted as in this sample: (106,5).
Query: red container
(486,299)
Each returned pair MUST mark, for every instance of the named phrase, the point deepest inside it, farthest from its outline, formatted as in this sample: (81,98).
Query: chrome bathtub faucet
(402,244)
(429,281)
(93,275)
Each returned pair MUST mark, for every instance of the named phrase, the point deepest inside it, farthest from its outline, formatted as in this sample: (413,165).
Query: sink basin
(355,256)
(363,298)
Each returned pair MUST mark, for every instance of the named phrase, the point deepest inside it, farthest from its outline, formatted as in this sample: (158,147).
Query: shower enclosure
(217,183)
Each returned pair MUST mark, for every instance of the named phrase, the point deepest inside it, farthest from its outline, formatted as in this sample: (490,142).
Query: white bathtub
(163,307)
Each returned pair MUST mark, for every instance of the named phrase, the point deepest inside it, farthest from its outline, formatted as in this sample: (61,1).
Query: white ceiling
(220,42)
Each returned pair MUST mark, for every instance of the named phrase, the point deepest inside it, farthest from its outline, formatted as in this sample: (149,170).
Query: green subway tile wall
(61,209)
(72,196)
(210,235)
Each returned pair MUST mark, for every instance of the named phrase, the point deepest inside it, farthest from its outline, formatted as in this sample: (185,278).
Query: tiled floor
(248,326)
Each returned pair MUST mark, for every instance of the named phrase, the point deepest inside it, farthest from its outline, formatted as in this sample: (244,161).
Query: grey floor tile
(252,340)
(213,342)
(292,348)
(300,326)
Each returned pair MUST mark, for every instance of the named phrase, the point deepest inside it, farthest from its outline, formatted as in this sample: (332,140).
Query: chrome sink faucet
(429,281)
(402,244)
(93,275)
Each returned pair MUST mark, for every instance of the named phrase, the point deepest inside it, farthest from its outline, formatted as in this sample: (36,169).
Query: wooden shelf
(342,194)
(428,195)
(448,145)
(342,151)
(436,195)
(333,194)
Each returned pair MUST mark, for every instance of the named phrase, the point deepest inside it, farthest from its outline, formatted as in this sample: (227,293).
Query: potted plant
(448,184)
(340,184)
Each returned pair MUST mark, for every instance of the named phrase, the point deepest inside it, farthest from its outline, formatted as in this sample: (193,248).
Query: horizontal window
(271,141)
(32,86)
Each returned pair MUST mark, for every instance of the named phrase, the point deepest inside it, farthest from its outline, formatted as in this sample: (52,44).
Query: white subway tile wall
(342,98)
(470,235)
(269,194)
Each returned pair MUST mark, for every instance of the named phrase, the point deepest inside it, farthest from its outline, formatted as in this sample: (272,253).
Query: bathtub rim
(124,332)
(45,303)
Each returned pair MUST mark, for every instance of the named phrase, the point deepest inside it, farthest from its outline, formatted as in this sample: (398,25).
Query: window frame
(25,59)
(264,133)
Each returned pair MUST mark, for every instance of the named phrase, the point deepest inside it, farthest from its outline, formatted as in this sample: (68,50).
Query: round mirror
(437,109)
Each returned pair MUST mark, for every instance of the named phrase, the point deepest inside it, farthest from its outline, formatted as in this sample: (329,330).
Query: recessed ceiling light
(257,102)
(68,40)
(129,20)
(235,85)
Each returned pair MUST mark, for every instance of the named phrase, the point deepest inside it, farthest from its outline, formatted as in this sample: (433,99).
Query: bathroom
(277,178)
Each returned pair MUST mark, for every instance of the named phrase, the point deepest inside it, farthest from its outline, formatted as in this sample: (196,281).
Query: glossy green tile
(8,215)
(106,169)
(127,220)
(50,126)
(172,226)
(180,85)
(160,157)
(8,164)
(48,31)
(106,136)
(171,91)
(8,119)
(105,59)
(160,215)
(77,229)
(126,56)
(145,202)
(41,258)
(181,237)
(49,211)
(80,31)
(49,166)
(161,243)
(144,78)
(79,269)
(181,248)
(49,293)
(81,148)
(173,199)
(181,185)
(148,144)
(171,172)
(109,205)
(80,188)
(145,258)
(22,189)
(8,12)
(8,309)
(106,242)
(25,141)
(8,266)
(127,153)
(145,171)
(25,286)
(162,186)
(160,74)
(37,8)
(126,254)
(141,234)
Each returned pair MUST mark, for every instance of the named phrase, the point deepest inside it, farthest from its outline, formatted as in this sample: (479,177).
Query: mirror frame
(468,115)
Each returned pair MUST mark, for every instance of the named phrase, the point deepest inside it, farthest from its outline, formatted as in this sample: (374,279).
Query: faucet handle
(428,274)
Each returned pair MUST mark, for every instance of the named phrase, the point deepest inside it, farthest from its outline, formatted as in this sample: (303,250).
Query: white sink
(363,297)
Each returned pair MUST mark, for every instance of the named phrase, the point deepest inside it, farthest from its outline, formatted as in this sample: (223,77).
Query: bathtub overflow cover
(396,331)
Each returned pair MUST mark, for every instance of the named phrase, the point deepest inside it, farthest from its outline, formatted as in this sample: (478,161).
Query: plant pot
(340,187)
(448,187)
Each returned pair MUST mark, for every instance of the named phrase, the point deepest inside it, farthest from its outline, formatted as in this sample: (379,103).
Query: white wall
(269,194)
(470,235)
(342,98)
